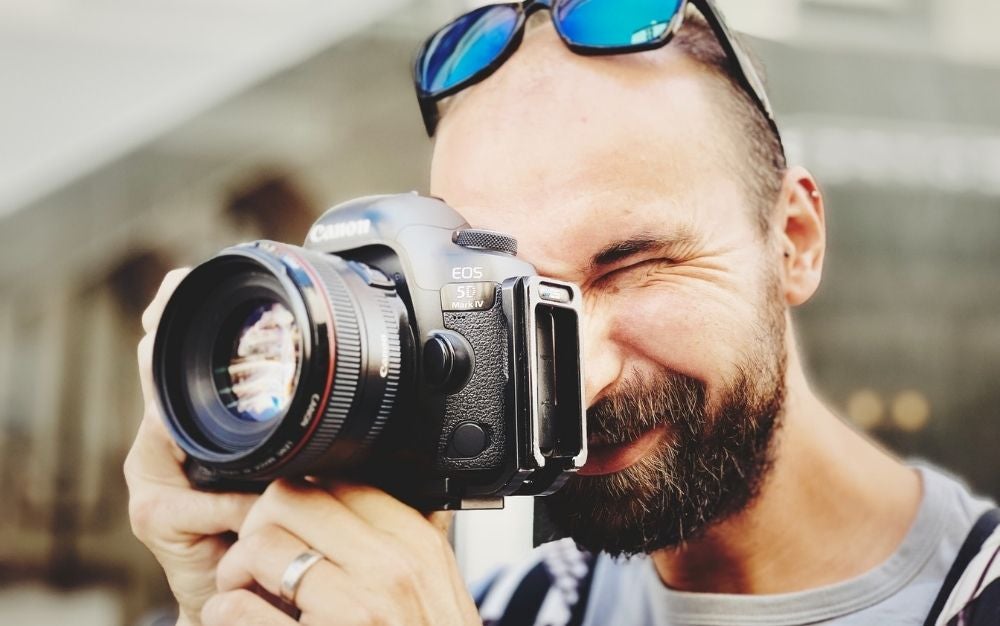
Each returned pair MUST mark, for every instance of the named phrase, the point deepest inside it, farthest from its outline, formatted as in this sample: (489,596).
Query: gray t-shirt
(900,591)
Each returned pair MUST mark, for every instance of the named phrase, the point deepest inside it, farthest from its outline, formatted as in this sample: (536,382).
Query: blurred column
(64,561)
(768,19)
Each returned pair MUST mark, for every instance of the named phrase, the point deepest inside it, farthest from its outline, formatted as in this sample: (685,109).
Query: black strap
(527,598)
(480,596)
(526,602)
(980,532)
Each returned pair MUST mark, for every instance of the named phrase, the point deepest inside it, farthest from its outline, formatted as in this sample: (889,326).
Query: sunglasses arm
(748,76)
(429,112)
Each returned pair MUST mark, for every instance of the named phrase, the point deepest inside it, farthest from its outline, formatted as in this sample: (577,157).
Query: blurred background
(140,135)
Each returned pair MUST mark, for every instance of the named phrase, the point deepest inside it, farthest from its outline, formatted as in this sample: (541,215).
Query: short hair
(764,165)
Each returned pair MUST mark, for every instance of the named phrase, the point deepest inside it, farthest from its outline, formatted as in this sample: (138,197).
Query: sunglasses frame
(746,75)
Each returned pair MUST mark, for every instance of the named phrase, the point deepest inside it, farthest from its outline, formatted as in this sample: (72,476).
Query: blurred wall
(79,264)
(892,103)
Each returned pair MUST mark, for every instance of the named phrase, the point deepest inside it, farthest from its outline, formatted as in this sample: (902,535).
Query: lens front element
(273,360)
(259,362)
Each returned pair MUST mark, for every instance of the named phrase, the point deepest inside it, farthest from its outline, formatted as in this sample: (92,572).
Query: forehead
(557,148)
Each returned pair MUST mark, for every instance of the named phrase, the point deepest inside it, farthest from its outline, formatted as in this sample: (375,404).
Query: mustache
(640,404)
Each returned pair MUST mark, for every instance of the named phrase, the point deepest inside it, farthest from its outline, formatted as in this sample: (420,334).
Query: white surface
(34,605)
(82,83)
(486,540)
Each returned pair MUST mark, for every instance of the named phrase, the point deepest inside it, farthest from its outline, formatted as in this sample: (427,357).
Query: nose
(602,356)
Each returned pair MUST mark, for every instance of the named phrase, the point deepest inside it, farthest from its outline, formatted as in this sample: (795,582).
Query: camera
(399,347)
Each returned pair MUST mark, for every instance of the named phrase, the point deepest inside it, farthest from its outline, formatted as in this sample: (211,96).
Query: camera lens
(273,360)
(259,358)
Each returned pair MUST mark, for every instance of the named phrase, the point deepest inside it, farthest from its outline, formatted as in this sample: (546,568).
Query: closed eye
(646,265)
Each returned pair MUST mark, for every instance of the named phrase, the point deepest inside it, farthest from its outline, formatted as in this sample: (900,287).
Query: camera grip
(482,401)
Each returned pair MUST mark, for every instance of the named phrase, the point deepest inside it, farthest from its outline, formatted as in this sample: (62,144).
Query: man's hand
(187,531)
(384,562)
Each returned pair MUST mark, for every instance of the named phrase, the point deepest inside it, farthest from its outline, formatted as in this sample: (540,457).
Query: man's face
(616,173)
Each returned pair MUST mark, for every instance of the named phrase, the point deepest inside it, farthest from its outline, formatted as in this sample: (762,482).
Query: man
(655,180)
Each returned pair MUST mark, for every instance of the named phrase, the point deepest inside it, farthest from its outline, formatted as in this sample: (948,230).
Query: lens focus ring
(367,345)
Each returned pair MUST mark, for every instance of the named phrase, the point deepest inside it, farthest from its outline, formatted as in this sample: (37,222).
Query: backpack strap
(554,591)
(526,602)
(980,532)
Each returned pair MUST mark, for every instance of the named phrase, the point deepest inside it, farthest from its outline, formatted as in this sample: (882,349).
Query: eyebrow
(623,249)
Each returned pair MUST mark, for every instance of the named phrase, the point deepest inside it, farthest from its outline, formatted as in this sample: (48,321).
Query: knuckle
(402,575)
(150,316)
(129,470)
(175,275)
(260,541)
(282,492)
(439,543)
(362,615)
(226,608)
(144,349)
(151,409)
(429,536)
(142,514)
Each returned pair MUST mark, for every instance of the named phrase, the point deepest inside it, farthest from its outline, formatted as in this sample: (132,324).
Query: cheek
(702,333)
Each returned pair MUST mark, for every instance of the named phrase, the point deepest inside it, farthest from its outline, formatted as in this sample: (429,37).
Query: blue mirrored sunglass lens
(614,23)
(465,46)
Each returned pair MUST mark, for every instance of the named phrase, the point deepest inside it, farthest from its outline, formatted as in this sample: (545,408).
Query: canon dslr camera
(398,347)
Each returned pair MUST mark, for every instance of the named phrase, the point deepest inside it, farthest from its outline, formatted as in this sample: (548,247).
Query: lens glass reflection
(466,46)
(261,364)
(614,23)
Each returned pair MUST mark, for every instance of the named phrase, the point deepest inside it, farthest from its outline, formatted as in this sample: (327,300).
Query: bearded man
(630,148)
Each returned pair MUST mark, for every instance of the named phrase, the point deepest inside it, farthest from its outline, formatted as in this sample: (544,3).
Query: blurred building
(136,137)
(892,104)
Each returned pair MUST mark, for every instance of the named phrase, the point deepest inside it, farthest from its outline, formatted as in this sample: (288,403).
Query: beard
(709,465)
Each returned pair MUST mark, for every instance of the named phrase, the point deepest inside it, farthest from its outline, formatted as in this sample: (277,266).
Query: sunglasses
(475,45)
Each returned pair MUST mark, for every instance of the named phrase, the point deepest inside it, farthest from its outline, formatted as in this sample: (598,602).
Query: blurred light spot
(865,408)
(911,411)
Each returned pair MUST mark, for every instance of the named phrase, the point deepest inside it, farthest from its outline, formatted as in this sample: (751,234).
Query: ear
(801,226)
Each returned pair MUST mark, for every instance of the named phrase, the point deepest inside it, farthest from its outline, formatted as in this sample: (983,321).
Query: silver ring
(294,573)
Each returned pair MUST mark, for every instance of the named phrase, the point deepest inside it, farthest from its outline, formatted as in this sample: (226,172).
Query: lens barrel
(273,360)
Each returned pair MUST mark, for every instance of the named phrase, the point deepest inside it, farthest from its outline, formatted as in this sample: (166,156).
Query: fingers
(154,453)
(151,316)
(162,504)
(442,520)
(263,557)
(318,520)
(376,507)
(154,456)
(425,536)
(144,356)
(150,320)
(170,514)
(242,608)
(325,595)
(368,571)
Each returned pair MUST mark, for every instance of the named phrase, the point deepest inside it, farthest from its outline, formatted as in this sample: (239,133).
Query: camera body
(453,373)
